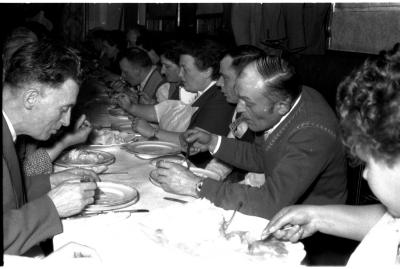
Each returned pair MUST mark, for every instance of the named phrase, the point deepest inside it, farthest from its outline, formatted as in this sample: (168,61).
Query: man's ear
(31,97)
(208,73)
(282,107)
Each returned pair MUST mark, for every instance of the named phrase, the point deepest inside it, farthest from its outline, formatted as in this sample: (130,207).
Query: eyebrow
(246,99)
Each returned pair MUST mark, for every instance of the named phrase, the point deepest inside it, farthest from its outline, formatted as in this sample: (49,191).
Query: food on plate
(197,228)
(272,247)
(98,169)
(79,156)
(171,158)
(109,137)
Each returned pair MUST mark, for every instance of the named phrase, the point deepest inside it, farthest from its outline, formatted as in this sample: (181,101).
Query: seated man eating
(298,147)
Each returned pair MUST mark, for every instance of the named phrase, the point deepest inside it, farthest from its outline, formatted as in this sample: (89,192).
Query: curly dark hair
(171,50)
(206,53)
(368,103)
(46,61)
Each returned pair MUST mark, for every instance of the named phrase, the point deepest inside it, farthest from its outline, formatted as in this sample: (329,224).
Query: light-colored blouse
(380,247)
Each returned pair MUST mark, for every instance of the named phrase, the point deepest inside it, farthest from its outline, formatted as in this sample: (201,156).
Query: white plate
(106,158)
(152,149)
(115,196)
(197,171)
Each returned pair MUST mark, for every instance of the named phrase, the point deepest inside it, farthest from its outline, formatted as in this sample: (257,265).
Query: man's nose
(65,119)
(162,70)
(220,82)
(181,73)
(241,107)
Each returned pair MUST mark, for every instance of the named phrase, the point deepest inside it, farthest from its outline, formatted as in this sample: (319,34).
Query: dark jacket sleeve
(35,221)
(308,152)
(37,186)
(30,224)
(241,154)
(214,117)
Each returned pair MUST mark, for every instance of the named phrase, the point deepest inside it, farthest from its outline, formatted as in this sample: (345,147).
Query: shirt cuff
(216,146)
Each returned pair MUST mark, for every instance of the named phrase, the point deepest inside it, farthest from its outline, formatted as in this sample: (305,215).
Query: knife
(92,214)
(175,200)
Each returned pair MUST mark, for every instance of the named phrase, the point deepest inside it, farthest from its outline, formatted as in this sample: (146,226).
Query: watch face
(199,186)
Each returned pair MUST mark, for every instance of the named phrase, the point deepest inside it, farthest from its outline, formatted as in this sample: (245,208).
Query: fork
(188,146)
(227,223)
(267,235)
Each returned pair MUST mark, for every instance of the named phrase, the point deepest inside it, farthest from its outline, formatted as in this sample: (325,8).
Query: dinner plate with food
(84,158)
(152,149)
(215,242)
(107,138)
(112,196)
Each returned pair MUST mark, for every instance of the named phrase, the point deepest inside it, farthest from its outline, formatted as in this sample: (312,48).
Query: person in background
(231,65)
(298,147)
(169,57)
(368,102)
(132,35)
(137,36)
(17,38)
(37,101)
(199,63)
(138,70)
(113,44)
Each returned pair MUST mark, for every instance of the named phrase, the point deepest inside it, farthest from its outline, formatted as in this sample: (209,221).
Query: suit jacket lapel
(203,99)
(11,158)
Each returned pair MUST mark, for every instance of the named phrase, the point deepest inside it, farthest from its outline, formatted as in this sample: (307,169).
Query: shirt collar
(283,118)
(147,77)
(10,126)
(200,93)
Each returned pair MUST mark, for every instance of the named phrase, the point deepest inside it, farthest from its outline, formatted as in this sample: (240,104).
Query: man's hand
(201,140)
(73,174)
(142,127)
(124,101)
(301,217)
(71,198)
(175,178)
(80,133)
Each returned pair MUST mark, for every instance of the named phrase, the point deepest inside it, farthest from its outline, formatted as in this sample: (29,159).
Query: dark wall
(15,14)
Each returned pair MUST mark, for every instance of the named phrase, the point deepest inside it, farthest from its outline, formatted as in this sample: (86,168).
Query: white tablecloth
(118,237)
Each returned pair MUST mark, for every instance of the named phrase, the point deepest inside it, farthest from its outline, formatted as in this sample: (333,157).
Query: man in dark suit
(40,88)
(299,149)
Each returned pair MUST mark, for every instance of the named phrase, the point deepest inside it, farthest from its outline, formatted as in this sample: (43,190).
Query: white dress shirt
(10,126)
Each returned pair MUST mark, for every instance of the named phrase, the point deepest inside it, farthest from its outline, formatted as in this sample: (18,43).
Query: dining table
(127,235)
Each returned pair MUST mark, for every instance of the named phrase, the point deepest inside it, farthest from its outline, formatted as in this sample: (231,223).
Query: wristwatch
(199,185)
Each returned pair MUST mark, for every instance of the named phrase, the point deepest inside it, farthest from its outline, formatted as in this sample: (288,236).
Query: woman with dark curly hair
(369,107)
